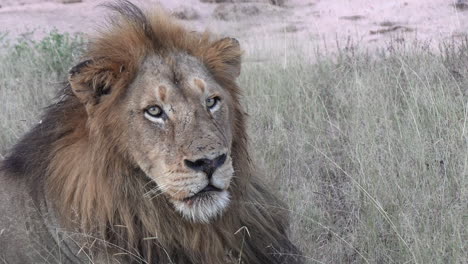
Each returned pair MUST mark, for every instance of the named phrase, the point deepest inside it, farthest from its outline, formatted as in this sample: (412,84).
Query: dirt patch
(186,13)
(322,21)
(71,1)
(391,29)
(273,2)
(6,3)
(236,11)
(388,24)
(353,18)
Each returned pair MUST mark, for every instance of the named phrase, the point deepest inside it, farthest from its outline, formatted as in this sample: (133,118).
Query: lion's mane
(81,169)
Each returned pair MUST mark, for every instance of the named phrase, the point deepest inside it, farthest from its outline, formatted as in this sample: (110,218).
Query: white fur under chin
(203,209)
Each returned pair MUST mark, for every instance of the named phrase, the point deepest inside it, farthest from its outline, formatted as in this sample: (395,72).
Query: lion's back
(24,237)
(13,230)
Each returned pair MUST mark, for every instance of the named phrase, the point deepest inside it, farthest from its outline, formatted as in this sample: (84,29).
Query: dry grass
(30,74)
(370,152)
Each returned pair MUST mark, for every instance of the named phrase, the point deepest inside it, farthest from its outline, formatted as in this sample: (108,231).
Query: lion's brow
(200,84)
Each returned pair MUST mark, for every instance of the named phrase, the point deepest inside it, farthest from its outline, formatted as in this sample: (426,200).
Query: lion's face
(179,123)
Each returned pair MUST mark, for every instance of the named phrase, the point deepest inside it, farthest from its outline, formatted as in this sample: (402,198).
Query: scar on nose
(200,84)
(162,92)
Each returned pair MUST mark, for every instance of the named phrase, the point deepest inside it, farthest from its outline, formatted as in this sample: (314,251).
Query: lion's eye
(212,102)
(154,111)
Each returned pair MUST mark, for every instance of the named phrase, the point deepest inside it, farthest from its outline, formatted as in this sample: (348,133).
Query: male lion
(143,160)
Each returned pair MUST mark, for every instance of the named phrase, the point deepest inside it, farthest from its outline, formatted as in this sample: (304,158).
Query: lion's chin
(204,207)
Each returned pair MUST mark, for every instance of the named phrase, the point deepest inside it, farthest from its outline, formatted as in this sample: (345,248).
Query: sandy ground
(367,22)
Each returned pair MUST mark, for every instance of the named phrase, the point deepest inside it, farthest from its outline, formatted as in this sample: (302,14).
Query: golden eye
(154,111)
(212,102)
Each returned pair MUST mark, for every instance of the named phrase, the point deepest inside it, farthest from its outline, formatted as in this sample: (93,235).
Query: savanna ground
(370,151)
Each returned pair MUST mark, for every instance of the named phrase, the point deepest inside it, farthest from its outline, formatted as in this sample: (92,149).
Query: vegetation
(30,74)
(370,151)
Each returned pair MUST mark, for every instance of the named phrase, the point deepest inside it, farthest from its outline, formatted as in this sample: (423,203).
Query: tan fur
(162,92)
(97,182)
(200,84)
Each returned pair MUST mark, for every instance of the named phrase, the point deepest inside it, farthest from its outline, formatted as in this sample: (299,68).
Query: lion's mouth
(203,193)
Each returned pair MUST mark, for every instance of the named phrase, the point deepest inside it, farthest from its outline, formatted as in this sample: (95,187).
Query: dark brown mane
(84,171)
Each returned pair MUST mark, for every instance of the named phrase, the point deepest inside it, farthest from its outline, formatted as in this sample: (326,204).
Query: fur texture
(81,165)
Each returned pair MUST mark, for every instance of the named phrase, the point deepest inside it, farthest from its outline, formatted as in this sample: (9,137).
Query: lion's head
(175,118)
(176,124)
(149,141)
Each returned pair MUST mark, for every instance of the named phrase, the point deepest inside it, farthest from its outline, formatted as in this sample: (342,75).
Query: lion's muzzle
(208,166)
(204,195)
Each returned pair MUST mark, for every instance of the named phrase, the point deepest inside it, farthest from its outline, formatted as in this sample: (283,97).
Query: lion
(143,159)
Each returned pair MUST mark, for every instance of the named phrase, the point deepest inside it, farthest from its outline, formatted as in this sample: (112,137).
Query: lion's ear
(224,56)
(91,79)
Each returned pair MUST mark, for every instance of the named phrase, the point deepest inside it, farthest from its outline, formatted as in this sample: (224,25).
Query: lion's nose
(208,166)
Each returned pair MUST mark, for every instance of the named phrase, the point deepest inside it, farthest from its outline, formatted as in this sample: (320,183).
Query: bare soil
(366,22)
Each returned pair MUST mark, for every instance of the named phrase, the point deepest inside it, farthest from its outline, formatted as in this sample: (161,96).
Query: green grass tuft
(30,74)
